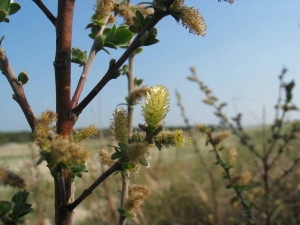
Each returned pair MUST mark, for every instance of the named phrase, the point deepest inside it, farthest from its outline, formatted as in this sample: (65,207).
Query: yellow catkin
(137,195)
(232,155)
(105,158)
(119,128)
(156,105)
(127,12)
(137,94)
(221,136)
(174,138)
(86,133)
(64,150)
(137,150)
(191,18)
(104,7)
(8,177)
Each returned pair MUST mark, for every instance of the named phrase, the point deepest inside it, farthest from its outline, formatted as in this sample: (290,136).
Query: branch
(286,172)
(19,94)
(46,11)
(87,67)
(114,168)
(112,72)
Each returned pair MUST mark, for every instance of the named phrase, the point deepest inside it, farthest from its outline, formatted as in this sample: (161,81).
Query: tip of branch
(2,38)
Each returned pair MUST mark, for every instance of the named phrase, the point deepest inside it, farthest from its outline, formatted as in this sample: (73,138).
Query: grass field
(181,188)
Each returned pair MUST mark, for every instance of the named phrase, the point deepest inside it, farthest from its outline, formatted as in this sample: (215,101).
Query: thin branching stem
(19,93)
(46,11)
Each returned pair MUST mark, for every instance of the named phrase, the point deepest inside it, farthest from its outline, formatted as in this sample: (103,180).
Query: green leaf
(144,38)
(110,45)
(137,23)
(138,50)
(99,43)
(2,16)
(158,145)
(23,77)
(129,166)
(78,175)
(121,37)
(133,29)
(5,207)
(13,8)
(41,159)
(20,196)
(20,210)
(78,168)
(111,34)
(121,210)
(147,19)
(139,16)
(137,82)
(151,42)
(78,56)
(4,5)
(129,215)
(143,161)
(116,155)
(122,146)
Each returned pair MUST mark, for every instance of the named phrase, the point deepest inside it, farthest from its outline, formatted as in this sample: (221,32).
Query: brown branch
(286,172)
(46,11)
(19,94)
(87,67)
(114,168)
(112,72)
(65,122)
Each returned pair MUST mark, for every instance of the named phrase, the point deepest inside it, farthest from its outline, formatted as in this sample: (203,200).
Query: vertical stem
(62,66)
(126,174)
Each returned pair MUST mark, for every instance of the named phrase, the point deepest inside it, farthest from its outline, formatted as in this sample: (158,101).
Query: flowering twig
(19,94)
(46,11)
(112,72)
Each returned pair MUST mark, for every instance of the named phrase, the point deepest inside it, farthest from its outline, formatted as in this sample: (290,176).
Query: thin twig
(114,168)
(46,11)
(19,94)
(286,172)
(87,66)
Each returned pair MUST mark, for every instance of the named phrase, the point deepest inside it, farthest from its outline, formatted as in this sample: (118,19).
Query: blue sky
(240,58)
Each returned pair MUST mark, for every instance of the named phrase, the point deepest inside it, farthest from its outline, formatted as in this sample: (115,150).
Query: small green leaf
(4,5)
(129,166)
(137,23)
(13,8)
(143,161)
(122,146)
(78,168)
(5,207)
(41,159)
(158,145)
(2,16)
(110,34)
(133,29)
(121,210)
(138,82)
(144,37)
(78,175)
(20,210)
(147,19)
(110,45)
(20,196)
(138,50)
(116,155)
(129,215)
(122,36)
(139,16)
(23,77)
(99,43)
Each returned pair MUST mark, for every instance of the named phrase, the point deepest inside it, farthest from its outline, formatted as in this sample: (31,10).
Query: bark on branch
(19,94)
